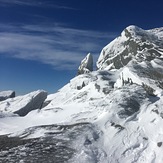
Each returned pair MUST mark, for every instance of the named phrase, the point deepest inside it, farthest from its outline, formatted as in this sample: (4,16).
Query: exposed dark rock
(97,87)
(145,138)
(130,106)
(159,144)
(6,94)
(155,111)
(148,89)
(22,105)
(80,87)
(161,115)
(119,127)
(36,102)
(106,90)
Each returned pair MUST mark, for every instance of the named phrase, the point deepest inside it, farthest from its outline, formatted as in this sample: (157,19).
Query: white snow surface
(127,119)
(125,135)
(6,93)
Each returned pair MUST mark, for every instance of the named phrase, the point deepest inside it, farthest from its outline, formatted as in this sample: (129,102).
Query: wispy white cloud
(59,46)
(36,3)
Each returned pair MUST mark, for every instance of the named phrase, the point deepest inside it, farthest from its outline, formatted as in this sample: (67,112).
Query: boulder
(86,65)
(22,105)
(6,94)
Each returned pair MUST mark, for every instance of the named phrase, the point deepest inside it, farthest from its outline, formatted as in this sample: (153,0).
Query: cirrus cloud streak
(61,47)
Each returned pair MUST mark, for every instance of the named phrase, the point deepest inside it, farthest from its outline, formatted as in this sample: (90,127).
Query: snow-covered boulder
(6,94)
(22,105)
(86,65)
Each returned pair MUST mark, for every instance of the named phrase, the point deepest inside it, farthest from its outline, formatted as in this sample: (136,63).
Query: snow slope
(111,115)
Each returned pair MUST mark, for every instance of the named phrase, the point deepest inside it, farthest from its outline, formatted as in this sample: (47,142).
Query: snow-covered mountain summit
(111,115)
(134,43)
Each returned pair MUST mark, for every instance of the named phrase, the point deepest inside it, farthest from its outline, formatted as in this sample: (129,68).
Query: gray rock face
(134,43)
(35,103)
(22,105)
(6,94)
(86,65)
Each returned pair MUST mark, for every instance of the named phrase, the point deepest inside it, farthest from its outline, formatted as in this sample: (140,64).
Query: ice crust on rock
(86,65)
(6,94)
(134,43)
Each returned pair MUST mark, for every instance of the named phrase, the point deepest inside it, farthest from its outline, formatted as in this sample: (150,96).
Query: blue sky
(42,42)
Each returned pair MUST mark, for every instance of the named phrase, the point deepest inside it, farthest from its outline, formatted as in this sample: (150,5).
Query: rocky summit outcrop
(138,54)
(86,65)
(134,43)
(6,94)
(22,105)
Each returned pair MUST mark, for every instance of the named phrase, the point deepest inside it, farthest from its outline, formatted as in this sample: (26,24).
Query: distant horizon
(43,42)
